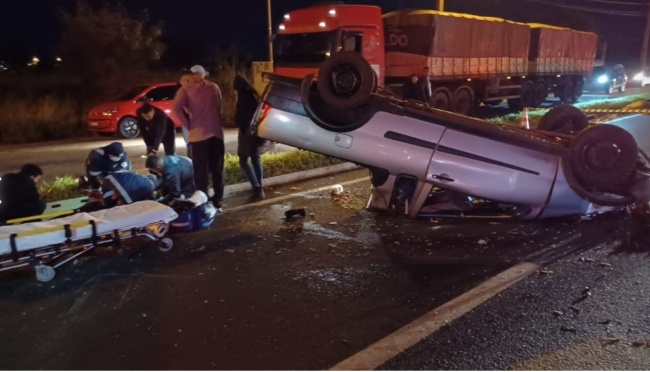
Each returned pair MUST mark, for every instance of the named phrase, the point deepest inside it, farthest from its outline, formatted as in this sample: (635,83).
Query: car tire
(346,81)
(567,93)
(603,158)
(565,119)
(462,101)
(128,127)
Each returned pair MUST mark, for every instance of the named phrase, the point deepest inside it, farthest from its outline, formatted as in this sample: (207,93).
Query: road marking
(389,347)
(290,196)
(624,118)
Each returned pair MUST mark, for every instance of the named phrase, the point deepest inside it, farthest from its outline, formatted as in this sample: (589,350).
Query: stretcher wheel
(166,245)
(162,230)
(44,273)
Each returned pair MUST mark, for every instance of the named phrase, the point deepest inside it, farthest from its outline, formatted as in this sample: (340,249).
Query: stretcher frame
(45,260)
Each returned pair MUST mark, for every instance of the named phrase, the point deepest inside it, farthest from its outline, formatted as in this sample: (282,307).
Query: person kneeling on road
(19,195)
(177,174)
(103,162)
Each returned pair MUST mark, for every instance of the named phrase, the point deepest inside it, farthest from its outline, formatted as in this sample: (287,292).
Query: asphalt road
(255,292)
(59,158)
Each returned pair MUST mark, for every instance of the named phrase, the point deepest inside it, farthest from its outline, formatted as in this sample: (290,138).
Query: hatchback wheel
(128,127)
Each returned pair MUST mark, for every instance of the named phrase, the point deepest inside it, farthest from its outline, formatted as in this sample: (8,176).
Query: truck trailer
(472,59)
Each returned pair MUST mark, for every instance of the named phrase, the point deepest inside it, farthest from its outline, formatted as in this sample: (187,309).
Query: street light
(441,5)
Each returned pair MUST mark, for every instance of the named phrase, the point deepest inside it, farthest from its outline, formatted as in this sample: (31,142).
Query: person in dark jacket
(129,187)
(424,85)
(177,174)
(250,146)
(19,195)
(411,90)
(103,162)
(156,128)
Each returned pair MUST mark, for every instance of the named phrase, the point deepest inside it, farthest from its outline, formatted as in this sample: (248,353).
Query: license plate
(94,124)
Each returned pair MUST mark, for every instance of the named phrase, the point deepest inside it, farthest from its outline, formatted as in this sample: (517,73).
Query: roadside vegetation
(274,163)
(535,115)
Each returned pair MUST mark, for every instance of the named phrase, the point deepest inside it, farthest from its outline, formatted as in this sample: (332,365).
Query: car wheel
(128,127)
(541,92)
(440,99)
(462,101)
(346,81)
(603,158)
(564,119)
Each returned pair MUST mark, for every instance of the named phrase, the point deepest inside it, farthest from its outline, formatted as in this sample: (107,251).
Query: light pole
(268,13)
(441,5)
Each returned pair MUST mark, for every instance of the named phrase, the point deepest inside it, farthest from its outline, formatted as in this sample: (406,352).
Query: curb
(232,190)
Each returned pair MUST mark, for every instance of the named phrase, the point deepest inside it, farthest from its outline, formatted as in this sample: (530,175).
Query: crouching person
(19,195)
(176,174)
(103,162)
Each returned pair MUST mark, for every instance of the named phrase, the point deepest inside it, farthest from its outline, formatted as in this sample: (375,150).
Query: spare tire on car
(604,158)
(564,119)
(346,81)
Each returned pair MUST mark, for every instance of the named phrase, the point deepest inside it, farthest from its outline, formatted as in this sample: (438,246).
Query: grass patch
(274,164)
(535,115)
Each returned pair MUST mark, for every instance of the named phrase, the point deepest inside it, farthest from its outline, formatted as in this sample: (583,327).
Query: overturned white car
(427,162)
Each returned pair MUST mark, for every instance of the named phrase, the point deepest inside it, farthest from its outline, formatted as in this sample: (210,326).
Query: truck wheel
(603,158)
(541,92)
(579,87)
(440,99)
(128,127)
(567,93)
(462,101)
(526,97)
(346,81)
(564,119)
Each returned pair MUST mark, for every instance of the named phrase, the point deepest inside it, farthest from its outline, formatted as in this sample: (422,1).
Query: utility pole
(268,13)
(441,5)
(646,37)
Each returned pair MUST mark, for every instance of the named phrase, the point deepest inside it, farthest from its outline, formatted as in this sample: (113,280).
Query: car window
(130,93)
(162,93)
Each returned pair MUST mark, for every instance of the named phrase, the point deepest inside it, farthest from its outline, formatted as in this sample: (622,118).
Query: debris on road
(482,242)
(557,313)
(292,214)
(604,264)
(545,272)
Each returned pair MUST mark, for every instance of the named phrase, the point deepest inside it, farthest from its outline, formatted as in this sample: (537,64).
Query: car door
(163,98)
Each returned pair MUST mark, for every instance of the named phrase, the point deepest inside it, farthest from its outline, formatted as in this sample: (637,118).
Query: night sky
(34,23)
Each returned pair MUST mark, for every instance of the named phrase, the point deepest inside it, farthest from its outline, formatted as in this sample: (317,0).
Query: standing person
(19,195)
(203,100)
(249,144)
(156,128)
(186,81)
(424,85)
(411,90)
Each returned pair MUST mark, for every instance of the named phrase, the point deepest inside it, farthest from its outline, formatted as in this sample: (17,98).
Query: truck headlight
(602,79)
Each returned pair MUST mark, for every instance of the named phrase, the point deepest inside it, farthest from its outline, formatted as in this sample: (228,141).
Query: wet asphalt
(256,292)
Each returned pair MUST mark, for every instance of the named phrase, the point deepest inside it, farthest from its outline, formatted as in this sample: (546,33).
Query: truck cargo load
(454,45)
(556,50)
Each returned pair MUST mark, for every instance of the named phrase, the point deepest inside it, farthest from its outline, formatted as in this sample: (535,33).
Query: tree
(106,47)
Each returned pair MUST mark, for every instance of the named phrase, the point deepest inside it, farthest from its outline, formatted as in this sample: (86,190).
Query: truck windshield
(307,48)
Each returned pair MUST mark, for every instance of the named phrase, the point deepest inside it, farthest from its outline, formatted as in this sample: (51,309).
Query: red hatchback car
(118,116)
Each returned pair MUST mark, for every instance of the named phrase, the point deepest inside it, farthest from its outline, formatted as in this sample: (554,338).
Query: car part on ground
(428,162)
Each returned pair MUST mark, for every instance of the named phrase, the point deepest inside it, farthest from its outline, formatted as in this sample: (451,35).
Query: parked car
(429,162)
(607,79)
(118,115)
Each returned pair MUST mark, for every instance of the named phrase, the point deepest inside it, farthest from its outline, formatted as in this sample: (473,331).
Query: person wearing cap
(104,161)
(176,173)
(19,195)
(203,100)
(156,128)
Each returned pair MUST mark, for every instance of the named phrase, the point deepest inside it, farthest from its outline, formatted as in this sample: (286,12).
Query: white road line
(290,196)
(387,348)
(624,118)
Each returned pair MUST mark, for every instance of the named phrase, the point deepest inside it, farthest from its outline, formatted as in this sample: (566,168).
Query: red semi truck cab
(308,36)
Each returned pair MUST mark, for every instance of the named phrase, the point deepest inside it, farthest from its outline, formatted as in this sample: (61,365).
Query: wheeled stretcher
(48,244)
